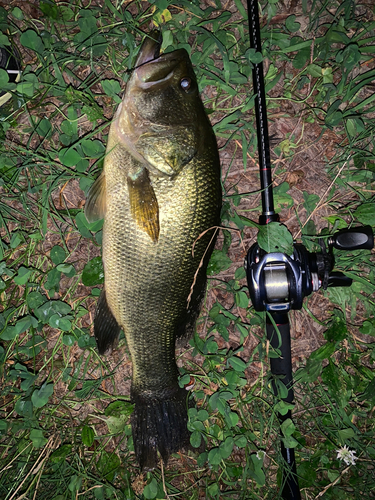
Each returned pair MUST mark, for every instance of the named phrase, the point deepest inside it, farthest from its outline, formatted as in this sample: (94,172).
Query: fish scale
(159,192)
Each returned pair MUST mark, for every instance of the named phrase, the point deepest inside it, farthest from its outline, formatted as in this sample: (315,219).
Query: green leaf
(112,88)
(345,434)
(197,426)
(231,419)
(108,465)
(314,70)
(118,414)
(31,349)
(15,240)
(24,408)
(57,254)
(288,427)
(219,262)
(334,115)
(53,280)
(35,299)
(291,24)
(69,156)
(4,40)
(75,484)
(37,437)
(87,435)
(61,307)
(237,363)
(44,127)
(151,489)
(68,340)
(31,40)
(301,57)
(22,276)
(92,111)
(60,455)
(241,299)
(85,341)
(240,441)
(17,13)
(40,396)
(311,201)
(257,472)
(83,225)
(324,352)
(62,323)
(336,384)
(195,439)
(202,415)
(93,272)
(214,456)
(3,427)
(92,148)
(365,214)
(28,85)
(290,442)
(226,447)
(275,237)
(50,10)
(240,273)
(24,324)
(9,333)
(67,269)
(4,78)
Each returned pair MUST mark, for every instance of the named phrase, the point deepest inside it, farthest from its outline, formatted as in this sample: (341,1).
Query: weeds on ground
(64,423)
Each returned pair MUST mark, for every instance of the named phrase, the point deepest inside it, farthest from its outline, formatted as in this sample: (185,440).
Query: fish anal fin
(106,328)
(143,203)
(95,206)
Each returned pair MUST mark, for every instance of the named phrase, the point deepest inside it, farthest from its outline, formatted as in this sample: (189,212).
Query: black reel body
(278,282)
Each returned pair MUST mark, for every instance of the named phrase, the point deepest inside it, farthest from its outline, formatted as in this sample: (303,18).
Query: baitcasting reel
(278,282)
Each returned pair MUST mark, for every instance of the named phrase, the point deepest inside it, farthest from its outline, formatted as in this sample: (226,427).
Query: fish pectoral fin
(95,206)
(106,328)
(143,203)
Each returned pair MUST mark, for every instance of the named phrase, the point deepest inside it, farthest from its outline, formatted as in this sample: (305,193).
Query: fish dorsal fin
(143,203)
(95,206)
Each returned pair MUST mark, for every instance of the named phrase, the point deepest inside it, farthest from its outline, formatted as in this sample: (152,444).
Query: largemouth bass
(158,193)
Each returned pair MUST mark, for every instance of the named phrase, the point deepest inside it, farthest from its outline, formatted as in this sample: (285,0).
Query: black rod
(282,368)
(268,214)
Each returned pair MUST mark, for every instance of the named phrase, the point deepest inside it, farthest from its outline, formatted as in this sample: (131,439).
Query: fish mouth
(150,49)
(152,67)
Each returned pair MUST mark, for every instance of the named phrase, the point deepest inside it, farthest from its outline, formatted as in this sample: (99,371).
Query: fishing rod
(279,282)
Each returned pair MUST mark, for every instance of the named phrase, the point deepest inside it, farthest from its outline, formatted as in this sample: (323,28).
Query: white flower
(347,455)
(260,455)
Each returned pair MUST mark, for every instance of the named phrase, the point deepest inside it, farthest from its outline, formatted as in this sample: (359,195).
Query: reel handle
(353,239)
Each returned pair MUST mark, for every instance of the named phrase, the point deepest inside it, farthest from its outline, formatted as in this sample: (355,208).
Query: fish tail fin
(159,424)
(106,328)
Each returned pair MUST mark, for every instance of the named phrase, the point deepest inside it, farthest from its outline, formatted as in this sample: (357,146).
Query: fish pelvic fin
(95,206)
(143,203)
(106,328)
(159,425)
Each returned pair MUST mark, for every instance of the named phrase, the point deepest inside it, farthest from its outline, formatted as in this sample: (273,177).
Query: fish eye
(185,83)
